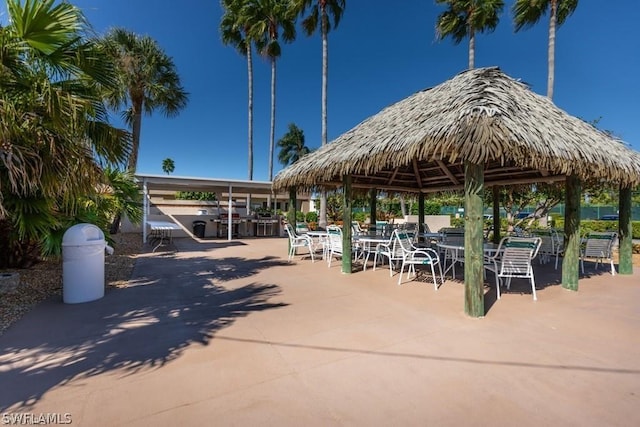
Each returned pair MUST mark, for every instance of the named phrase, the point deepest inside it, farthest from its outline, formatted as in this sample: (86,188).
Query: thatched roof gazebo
(481,128)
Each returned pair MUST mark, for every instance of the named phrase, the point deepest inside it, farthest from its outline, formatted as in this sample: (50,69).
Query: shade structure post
(230,215)
(373,205)
(291,212)
(346,224)
(625,232)
(473,243)
(496,214)
(145,209)
(571,262)
(421,212)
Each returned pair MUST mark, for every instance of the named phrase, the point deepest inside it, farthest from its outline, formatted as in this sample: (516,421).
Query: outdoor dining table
(161,231)
(319,238)
(456,254)
(367,241)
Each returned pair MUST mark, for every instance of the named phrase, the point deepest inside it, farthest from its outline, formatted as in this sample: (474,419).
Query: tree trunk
(272,133)
(250,112)
(552,48)
(135,136)
(472,49)
(322,221)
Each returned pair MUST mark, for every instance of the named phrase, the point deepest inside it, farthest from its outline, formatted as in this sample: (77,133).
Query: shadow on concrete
(171,304)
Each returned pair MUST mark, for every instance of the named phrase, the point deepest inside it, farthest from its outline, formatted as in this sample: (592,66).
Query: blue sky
(379,55)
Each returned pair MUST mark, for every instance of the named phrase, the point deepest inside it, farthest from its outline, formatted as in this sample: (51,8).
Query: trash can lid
(199,223)
(83,235)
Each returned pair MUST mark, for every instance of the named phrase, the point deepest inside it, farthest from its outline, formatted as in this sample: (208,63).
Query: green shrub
(311,216)
(195,195)
(360,216)
(588,226)
(299,216)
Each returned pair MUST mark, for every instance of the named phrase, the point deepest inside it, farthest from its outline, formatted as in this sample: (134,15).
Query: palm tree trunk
(322,221)
(472,49)
(250,108)
(135,137)
(273,117)
(552,48)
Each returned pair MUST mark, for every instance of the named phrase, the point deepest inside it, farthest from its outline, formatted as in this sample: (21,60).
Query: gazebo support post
(291,212)
(346,225)
(373,203)
(496,214)
(421,212)
(625,265)
(473,244)
(571,262)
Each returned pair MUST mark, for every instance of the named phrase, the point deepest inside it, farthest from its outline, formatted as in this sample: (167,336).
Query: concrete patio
(229,333)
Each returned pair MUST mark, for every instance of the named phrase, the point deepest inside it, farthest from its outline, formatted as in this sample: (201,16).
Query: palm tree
(322,11)
(236,22)
(292,146)
(271,16)
(168,166)
(148,81)
(465,18)
(528,12)
(54,131)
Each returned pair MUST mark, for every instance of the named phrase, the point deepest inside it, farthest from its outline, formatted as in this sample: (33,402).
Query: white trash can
(83,247)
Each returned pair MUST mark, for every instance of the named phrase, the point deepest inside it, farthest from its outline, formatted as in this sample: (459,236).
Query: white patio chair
(599,246)
(334,244)
(390,250)
(412,256)
(513,259)
(548,245)
(454,237)
(298,241)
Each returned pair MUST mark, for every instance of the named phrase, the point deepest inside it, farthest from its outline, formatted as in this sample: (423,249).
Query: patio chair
(599,246)
(390,250)
(298,241)
(412,256)
(513,259)
(454,237)
(334,244)
(548,245)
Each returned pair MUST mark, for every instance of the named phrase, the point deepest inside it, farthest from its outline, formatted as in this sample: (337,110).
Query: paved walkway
(231,334)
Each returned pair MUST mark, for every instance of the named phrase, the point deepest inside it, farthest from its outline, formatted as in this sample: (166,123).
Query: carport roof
(214,185)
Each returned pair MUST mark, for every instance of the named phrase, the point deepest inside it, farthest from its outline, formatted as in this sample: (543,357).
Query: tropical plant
(321,11)
(465,18)
(148,80)
(271,17)
(168,166)
(54,131)
(528,12)
(292,146)
(236,22)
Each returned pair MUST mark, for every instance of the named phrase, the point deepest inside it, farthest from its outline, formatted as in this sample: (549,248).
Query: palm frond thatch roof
(482,116)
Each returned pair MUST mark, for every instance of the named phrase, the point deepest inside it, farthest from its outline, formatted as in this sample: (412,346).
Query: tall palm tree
(54,131)
(321,11)
(148,81)
(465,18)
(273,16)
(292,147)
(168,166)
(528,12)
(236,22)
